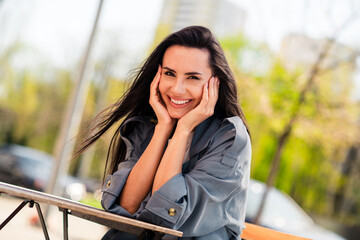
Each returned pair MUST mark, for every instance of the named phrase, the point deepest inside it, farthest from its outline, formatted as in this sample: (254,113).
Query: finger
(159,71)
(157,75)
(212,87)
(210,90)
(205,96)
(214,90)
(155,83)
(217,89)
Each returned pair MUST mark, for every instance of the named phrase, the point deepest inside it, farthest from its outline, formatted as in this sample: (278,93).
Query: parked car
(283,214)
(31,168)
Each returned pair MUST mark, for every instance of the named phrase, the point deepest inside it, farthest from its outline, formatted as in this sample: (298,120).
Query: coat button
(172,212)
(108,184)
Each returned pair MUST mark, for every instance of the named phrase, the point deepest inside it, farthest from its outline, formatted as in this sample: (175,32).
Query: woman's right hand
(157,104)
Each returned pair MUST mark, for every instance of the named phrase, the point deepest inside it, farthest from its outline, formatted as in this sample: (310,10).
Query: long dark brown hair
(135,101)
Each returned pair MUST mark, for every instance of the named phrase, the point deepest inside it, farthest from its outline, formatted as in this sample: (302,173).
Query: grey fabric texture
(209,196)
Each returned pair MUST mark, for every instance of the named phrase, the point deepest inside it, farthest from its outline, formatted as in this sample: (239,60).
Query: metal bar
(86,212)
(65,221)
(13,213)
(75,108)
(42,221)
(112,224)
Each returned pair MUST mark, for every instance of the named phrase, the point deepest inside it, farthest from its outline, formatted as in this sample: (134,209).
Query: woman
(181,156)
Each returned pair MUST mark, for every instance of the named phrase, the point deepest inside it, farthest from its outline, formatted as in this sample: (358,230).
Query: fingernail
(212,80)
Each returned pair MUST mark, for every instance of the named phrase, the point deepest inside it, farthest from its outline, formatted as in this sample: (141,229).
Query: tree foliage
(326,126)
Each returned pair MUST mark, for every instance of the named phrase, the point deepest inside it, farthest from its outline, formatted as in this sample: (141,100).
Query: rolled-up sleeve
(212,195)
(115,182)
(111,190)
(166,203)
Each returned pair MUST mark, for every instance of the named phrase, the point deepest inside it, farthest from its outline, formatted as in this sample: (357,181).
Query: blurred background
(297,66)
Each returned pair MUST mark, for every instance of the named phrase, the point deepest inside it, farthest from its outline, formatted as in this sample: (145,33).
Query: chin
(176,115)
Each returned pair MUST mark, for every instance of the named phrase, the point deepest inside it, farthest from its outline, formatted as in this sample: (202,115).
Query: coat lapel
(203,134)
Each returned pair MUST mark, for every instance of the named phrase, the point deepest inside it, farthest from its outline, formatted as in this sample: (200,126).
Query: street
(20,226)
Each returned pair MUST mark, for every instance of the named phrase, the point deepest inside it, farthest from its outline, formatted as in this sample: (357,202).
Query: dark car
(25,167)
(283,214)
(31,168)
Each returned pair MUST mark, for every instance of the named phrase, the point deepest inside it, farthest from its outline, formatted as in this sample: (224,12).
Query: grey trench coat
(207,200)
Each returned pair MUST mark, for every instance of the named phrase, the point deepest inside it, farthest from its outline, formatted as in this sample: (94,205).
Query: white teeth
(179,102)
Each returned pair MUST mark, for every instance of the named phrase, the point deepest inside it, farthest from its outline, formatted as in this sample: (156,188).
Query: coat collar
(203,134)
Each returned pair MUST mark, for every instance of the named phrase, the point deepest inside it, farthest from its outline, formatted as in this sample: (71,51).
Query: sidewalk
(20,228)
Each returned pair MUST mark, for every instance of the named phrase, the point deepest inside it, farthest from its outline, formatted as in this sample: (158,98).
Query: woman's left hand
(205,108)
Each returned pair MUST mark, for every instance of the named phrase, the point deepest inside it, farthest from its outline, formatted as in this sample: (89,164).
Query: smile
(179,102)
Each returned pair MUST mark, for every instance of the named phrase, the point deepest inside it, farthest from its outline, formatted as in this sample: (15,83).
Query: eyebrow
(188,73)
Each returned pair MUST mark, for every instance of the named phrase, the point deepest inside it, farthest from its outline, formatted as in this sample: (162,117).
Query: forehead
(185,57)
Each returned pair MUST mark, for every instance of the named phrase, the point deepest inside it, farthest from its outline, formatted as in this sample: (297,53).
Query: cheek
(197,93)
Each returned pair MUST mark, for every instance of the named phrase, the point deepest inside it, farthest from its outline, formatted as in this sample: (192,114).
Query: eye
(168,73)
(193,77)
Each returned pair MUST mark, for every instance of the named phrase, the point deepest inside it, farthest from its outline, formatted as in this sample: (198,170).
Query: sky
(270,20)
(58,30)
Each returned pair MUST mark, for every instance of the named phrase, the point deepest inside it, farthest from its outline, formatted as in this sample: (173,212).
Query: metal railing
(142,229)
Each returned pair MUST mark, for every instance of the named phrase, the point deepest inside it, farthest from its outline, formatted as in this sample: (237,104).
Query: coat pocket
(229,160)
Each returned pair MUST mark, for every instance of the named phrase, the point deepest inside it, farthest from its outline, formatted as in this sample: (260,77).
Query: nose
(179,86)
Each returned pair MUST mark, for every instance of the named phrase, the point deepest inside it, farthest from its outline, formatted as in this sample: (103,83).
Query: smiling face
(184,72)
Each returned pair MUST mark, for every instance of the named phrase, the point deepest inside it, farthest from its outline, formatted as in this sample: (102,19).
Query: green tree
(316,143)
